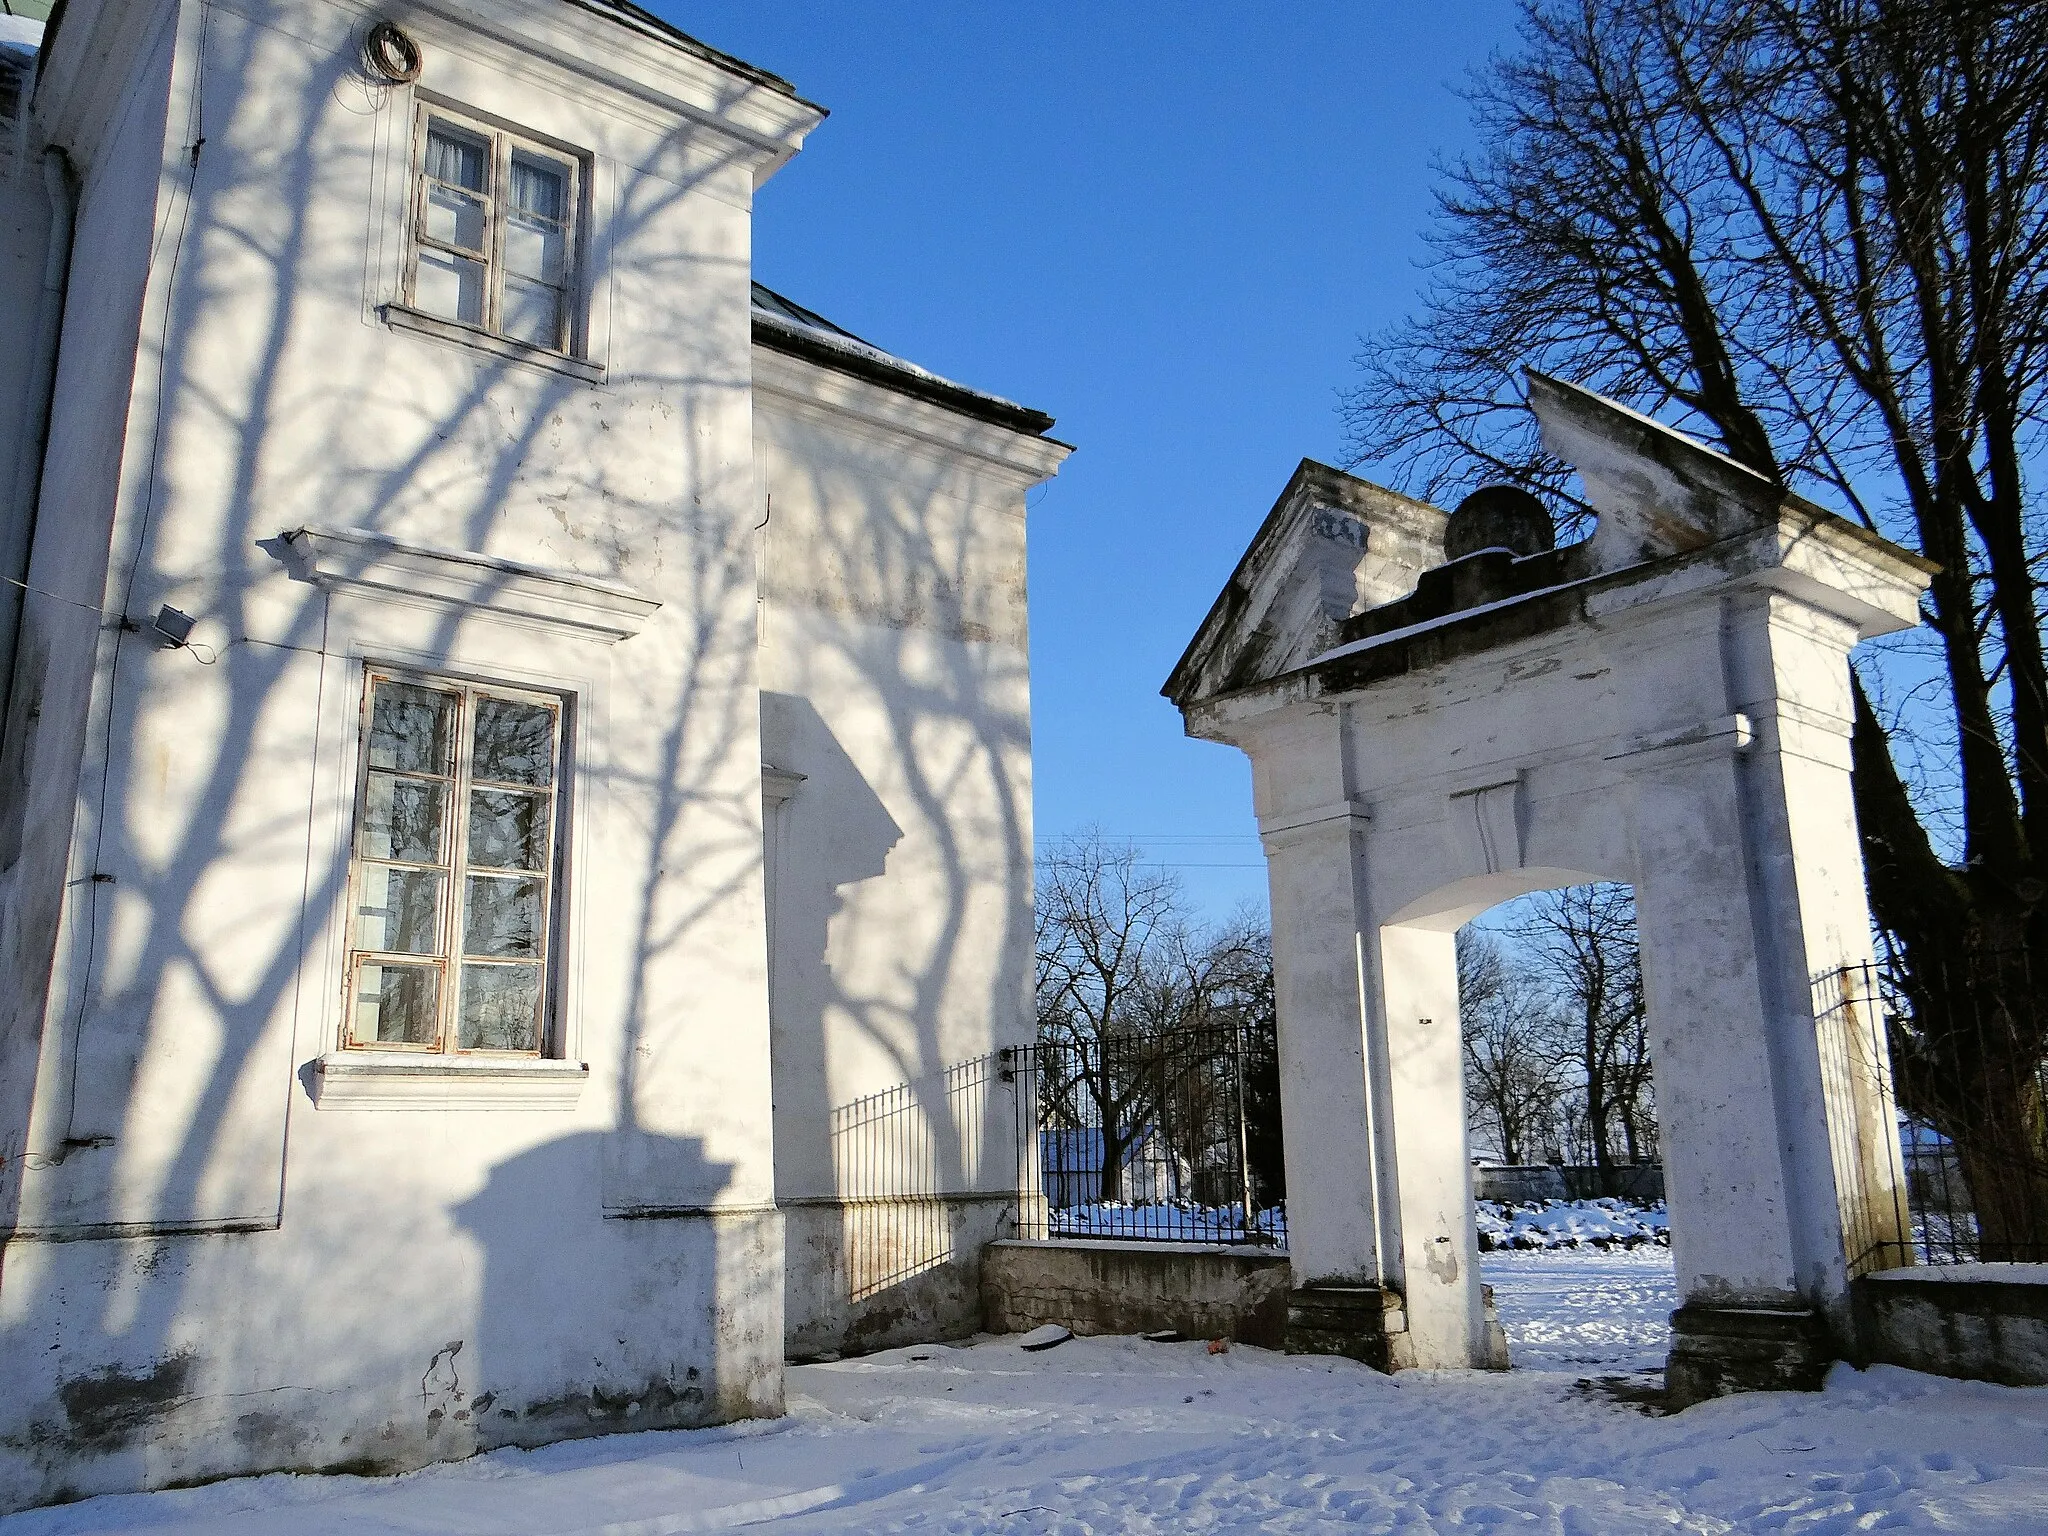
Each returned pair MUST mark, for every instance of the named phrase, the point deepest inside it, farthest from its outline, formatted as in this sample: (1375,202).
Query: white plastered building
(514,792)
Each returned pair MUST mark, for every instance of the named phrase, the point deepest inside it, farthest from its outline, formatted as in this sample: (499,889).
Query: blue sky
(1165,225)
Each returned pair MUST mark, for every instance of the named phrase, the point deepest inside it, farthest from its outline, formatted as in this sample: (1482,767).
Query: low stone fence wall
(1531,1183)
(1988,1322)
(1107,1287)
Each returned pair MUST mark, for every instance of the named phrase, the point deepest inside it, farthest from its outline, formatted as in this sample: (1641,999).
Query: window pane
(412,729)
(515,742)
(455,218)
(402,819)
(503,918)
(508,830)
(534,249)
(456,158)
(450,286)
(395,1003)
(500,1008)
(533,312)
(540,186)
(397,911)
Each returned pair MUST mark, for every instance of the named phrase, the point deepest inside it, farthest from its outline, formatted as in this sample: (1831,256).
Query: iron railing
(1962,1174)
(906,1160)
(1145,1137)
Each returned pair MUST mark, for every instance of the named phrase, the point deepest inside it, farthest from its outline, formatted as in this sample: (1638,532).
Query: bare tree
(1816,232)
(1515,1084)
(1583,940)
(1105,923)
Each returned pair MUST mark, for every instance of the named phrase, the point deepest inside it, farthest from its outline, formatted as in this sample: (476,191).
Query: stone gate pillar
(1779,1170)
(1345,1299)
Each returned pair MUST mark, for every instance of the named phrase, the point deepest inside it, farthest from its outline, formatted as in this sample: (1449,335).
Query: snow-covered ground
(1588,1313)
(1102,1435)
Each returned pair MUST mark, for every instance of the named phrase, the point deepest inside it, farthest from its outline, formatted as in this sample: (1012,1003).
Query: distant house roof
(787,326)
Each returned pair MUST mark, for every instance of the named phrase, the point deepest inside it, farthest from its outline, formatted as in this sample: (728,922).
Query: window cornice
(403,317)
(408,1080)
(365,563)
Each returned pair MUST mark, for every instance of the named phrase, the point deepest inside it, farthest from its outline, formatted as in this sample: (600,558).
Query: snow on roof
(788,326)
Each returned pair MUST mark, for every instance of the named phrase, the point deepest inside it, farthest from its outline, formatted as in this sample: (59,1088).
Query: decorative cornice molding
(803,383)
(358,561)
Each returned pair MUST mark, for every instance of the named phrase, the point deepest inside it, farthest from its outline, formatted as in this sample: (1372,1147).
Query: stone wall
(1988,1322)
(1211,1293)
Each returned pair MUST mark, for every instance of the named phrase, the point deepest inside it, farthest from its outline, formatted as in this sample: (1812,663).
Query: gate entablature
(1665,703)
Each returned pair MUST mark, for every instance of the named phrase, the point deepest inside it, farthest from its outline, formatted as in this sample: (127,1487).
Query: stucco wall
(398,1284)
(895,681)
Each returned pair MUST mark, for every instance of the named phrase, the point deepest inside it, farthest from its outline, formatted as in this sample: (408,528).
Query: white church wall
(122,171)
(895,680)
(203,1217)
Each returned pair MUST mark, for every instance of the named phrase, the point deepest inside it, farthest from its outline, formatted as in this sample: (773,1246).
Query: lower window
(454,880)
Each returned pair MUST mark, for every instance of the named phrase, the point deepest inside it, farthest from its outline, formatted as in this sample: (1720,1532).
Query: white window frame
(455,868)
(501,144)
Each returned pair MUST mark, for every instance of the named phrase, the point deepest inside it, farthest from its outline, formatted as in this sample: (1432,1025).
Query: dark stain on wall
(109,1409)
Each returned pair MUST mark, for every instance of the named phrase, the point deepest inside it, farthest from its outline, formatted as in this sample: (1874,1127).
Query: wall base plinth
(1719,1350)
(1367,1323)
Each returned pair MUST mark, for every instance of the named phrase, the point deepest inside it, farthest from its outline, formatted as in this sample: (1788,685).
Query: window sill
(401,317)
(394,1080)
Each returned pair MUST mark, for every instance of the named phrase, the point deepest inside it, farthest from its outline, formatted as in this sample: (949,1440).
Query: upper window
(494,232)
(454,884)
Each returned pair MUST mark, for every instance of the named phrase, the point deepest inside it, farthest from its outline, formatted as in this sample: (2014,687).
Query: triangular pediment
(1332,545)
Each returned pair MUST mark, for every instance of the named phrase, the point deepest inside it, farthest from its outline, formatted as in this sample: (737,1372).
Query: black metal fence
(1962,1176)
(906,1160)
(1157,1137)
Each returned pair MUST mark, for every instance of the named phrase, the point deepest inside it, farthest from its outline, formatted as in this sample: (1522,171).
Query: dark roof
(623,12)
(787,326)
(640,20)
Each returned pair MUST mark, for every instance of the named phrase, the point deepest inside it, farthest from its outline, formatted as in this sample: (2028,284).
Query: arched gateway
(1667,704)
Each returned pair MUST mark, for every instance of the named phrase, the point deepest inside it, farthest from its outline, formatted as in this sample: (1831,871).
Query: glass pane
(503,918)
(540,186)
(412,729)
(450,286)
(508,830)
(533,312)
(397,909)
(515,742)
(455,218)
(500,1008)
(534,248)
(395,1004)
(402,819)
(456,158)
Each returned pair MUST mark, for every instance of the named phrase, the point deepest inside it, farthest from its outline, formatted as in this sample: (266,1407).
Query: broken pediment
(1332,546)
(1342,567)
(1657,492)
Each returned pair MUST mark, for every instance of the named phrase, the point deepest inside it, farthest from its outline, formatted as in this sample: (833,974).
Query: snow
(1115,1434)
(1970,1274)
(1603,1223)
(1502,1224)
